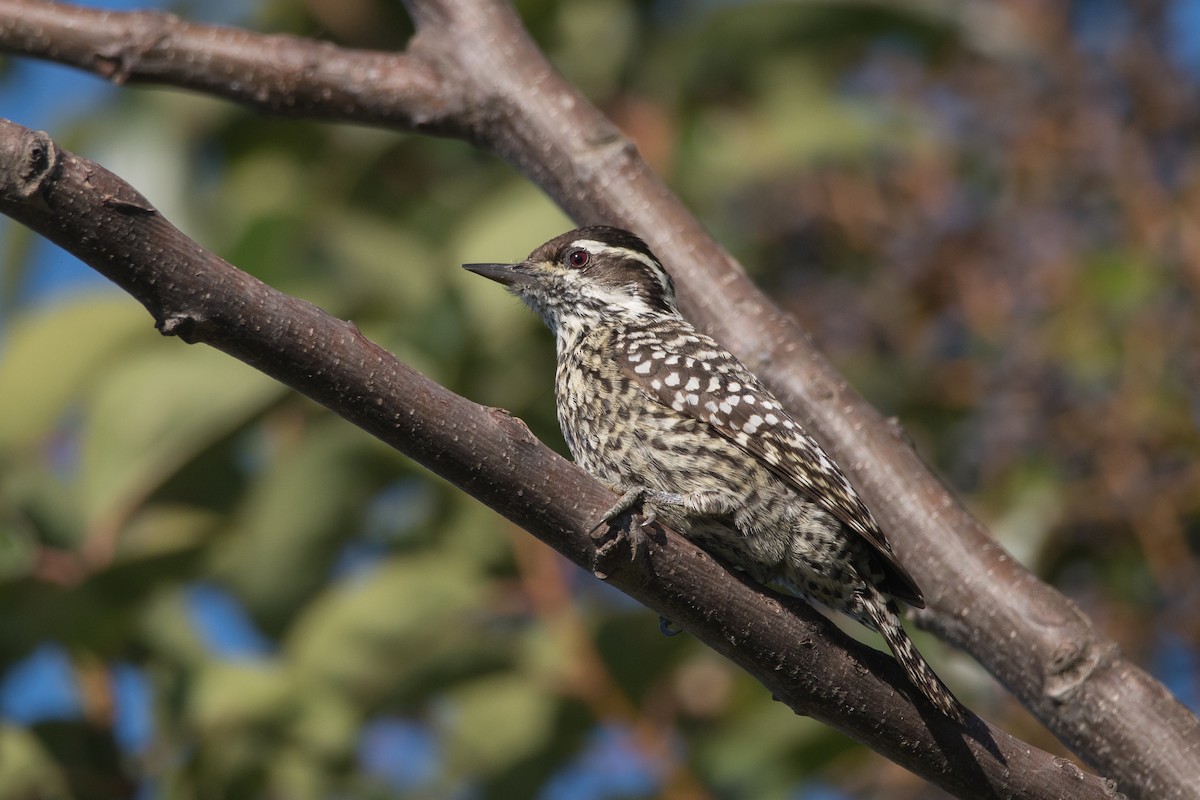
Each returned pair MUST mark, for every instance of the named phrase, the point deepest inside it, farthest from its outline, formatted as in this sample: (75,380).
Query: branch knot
(182,325)
(34,158)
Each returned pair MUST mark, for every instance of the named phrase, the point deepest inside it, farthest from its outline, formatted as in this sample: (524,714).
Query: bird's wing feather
(691,374)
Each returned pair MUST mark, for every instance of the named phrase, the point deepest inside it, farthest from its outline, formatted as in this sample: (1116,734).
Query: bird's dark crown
(615,238)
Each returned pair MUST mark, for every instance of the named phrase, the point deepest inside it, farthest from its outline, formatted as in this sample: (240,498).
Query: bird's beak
(508,274)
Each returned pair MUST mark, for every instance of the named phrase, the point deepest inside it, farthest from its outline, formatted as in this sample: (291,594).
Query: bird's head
(588,277)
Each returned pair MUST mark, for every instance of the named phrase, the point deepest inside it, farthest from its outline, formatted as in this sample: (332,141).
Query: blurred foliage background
(987,214)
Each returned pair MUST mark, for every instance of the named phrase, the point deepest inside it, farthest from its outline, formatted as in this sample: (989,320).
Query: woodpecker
(662,414)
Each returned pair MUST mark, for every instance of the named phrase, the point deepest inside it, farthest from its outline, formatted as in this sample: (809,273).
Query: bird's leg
(694,504)
(630,500)
(712,504)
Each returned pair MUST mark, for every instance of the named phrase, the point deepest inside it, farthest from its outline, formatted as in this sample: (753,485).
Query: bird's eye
(578,259)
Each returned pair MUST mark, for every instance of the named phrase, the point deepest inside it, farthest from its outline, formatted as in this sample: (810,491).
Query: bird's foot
(641,498)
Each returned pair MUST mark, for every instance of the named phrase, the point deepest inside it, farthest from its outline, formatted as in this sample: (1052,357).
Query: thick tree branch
(500,92)
(797,654)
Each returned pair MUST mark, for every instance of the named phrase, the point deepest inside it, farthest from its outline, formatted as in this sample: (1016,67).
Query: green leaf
(385,262)
(45,506)
(52,355)
(166,629)
(26,770)
(369,634)
(165,529)
(294,519)
(325,725)
(154,413)
(102,612)
(513,704)
(239,697)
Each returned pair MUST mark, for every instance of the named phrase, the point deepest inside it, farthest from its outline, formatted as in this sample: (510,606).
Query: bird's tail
(883,616)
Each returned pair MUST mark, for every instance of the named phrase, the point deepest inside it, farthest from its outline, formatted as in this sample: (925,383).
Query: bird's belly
(627,445)
(667,453)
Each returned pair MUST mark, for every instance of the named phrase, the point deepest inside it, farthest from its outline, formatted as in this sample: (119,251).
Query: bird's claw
(607,545)
(649,515)
(635,533)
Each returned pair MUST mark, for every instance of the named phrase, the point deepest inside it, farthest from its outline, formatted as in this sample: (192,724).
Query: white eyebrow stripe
(599,248)
(634,254)
(654,268)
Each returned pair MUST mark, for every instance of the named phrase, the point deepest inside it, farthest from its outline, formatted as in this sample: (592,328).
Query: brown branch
(472,71)
(285,75)
(796,653)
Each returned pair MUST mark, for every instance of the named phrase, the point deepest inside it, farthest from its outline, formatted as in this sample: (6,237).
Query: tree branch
(796,653)
(502,94)
(285,75)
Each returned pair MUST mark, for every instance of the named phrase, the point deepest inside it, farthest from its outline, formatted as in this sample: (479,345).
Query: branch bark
(794,651)
(284,75)
(502,94)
